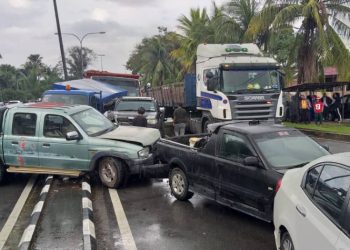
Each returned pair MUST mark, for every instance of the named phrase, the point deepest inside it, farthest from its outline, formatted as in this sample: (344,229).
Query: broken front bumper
(148,168)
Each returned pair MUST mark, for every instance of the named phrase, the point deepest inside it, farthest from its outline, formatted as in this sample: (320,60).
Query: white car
(312,208)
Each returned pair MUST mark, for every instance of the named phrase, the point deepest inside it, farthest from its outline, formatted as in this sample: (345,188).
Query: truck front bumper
(148,168)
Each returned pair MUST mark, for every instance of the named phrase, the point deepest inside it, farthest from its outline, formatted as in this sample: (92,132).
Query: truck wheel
(179,185)
(205,126)
(111,172)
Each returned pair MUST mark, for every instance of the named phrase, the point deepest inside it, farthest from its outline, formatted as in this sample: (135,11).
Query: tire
(286,242)
(111,172)
(179,185)
(205,127)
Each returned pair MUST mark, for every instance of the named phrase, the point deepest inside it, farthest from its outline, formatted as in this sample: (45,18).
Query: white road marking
(12,219)
(45,189)
(38,207)
(125,231)
(27,235)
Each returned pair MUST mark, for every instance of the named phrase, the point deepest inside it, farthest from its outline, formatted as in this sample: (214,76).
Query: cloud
(100,15)
(19,3)
(134,2)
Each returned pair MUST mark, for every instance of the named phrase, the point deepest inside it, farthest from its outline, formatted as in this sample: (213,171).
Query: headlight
(143,153)
(152,121)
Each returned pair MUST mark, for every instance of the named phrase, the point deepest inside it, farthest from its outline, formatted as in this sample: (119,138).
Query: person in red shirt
(318,109)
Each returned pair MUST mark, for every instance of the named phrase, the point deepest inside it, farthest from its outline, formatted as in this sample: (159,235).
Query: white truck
(244,85)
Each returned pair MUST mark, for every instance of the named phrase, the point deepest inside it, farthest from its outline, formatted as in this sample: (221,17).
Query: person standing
(180,120)
(335,107)
(304,109)
(140,120)
(327,101)
(318,109)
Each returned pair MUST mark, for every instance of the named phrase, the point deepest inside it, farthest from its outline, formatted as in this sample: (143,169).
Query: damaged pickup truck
(240,164)
(48,138)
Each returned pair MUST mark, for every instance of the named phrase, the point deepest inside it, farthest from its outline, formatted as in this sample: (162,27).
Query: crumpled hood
(144,136)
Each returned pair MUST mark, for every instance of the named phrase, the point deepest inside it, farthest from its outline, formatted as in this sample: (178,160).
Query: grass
(343,128)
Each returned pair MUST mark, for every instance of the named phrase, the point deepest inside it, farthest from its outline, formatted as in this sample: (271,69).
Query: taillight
(278,185)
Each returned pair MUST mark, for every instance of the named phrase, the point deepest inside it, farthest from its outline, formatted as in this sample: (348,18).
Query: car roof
(138,98)
(250,127)
(69,109)
(340,158)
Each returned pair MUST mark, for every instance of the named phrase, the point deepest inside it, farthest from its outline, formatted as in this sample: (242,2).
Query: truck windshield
(92,122)
(131,85)
(245,81)
(67,99)
(134,105)
(288,149)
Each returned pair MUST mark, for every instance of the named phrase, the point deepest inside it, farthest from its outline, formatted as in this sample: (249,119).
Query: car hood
(144,136)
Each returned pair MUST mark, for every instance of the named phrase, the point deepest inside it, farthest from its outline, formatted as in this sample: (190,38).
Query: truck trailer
(243,85)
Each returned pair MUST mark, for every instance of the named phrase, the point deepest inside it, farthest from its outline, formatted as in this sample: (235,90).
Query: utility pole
(60,41)
(101,55)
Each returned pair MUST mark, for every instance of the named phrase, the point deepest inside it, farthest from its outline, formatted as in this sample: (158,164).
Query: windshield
(92,122)
(243,81)
(134,105)
(288,149)
(67,99)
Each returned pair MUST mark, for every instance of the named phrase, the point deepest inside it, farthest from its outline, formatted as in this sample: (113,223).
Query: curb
(28,233)
(326,135)
(89,237)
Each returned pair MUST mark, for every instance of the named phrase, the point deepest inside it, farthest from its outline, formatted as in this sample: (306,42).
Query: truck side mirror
(212,83)
(73,135)
(251,161)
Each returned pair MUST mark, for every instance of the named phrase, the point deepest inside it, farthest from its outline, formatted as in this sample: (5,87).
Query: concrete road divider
(88,224)
(29,231)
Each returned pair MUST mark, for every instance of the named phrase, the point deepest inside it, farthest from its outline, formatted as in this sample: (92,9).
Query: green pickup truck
(48,138)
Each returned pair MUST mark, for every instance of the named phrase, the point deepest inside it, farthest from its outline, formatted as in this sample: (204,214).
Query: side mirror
(211,84)
(325,146)
(251,161)
(73,135)
(162,109)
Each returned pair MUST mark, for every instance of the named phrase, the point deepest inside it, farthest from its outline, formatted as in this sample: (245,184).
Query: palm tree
(317,42)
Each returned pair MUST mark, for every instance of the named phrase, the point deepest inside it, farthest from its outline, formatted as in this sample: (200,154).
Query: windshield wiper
(298,165)
(104,131)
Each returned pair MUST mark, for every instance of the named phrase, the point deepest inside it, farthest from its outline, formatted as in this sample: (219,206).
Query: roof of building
(330,71)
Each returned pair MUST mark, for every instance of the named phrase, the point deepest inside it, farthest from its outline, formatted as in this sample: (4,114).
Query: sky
(28,27)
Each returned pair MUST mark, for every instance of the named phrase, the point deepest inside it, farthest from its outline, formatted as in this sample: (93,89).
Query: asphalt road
(156,219)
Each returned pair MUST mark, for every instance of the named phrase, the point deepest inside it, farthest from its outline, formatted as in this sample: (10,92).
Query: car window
(311,179)
(56,126)
(24,124)
(331,190)
(235,147)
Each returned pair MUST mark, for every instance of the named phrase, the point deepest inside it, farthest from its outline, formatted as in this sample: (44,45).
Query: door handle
(14,142)
(301,210)
(46,145)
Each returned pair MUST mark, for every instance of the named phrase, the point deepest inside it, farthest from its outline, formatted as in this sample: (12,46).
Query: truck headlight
(143,153)
(152,121)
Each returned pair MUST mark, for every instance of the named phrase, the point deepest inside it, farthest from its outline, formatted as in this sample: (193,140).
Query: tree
(152,58)
(74,60)
(317,42)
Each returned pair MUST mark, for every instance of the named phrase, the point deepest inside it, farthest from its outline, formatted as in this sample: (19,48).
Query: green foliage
(27,82)
(152,58)
(74,61)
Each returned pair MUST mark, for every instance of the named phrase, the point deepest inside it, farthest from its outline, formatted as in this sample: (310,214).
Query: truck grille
(253,110)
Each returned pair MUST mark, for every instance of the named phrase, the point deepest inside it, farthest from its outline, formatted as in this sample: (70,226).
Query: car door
(238,182)
(21,139)
(203,171)
(320,213)
(55,151)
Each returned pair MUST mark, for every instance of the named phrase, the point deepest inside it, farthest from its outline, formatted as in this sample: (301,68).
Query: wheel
(179,185)
(205,127)
(111,172)
(286,242)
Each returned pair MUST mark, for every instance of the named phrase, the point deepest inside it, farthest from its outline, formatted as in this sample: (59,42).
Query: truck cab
(248,84)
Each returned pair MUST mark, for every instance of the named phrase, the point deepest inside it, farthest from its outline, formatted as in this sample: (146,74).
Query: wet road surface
(158,221)
(60,225)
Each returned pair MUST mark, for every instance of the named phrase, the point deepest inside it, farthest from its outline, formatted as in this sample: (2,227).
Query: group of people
(313,108)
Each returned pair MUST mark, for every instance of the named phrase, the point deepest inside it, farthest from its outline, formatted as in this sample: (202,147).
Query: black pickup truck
(239,164)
